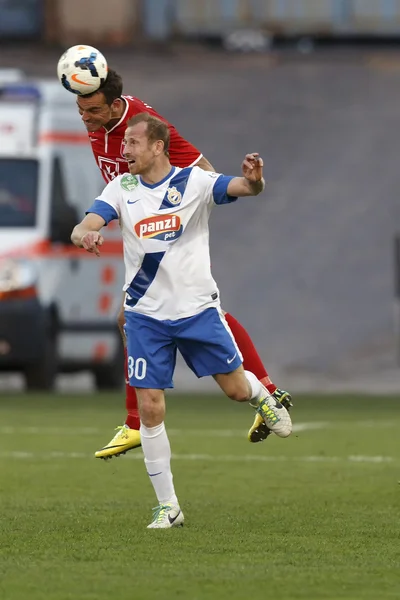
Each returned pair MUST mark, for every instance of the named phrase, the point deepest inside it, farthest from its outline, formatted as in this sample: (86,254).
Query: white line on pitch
(20,455)
(10,430)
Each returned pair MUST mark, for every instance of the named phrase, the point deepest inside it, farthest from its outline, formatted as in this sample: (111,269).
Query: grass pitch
(312,517)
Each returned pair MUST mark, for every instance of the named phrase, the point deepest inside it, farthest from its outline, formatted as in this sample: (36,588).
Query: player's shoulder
(184,175)
(200,173)
(136,105)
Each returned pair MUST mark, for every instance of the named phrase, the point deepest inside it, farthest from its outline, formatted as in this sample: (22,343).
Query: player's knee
(151,407)
(238,392)
(234,385)
(239,396)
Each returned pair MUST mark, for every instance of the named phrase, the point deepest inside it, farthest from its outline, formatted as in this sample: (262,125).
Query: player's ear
(116,104)
(159,147)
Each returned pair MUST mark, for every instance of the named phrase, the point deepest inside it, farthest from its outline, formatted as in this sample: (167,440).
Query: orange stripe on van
(63,137)
(29,292)
(108,275)
(47,249)
(104,303)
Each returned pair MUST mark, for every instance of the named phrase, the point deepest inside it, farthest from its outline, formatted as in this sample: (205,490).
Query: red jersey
(108,146)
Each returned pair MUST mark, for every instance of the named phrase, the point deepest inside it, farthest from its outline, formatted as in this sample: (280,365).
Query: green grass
(312,517)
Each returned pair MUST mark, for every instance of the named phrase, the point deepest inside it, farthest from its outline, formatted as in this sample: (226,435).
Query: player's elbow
(75,237)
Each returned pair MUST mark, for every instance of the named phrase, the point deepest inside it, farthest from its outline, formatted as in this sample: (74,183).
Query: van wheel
(110,376)
(42,375)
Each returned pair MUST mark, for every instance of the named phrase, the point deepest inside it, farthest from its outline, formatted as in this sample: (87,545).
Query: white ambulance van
(58,304)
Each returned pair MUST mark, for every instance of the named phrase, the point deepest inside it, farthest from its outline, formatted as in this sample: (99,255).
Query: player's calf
(234,385)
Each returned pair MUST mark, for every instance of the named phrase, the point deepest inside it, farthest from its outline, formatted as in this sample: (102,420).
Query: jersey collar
(154,185)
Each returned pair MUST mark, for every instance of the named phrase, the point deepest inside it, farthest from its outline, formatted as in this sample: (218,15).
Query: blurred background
(309,268)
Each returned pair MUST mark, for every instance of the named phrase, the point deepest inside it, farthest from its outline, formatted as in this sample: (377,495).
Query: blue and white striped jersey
(166,239)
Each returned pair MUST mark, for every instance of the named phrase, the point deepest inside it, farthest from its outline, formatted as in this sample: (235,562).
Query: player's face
(95,111)
(138,151)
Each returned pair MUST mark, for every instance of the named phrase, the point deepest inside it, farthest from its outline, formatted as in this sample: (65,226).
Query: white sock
(258,391)
(157,458)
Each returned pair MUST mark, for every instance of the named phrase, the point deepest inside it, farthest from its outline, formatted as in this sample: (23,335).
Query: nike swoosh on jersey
(132,201)
(229,360)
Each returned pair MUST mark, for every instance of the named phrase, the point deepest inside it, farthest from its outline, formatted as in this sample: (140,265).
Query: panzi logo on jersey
(165,227)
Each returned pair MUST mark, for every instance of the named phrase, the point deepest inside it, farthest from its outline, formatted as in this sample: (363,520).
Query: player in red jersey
(105,114)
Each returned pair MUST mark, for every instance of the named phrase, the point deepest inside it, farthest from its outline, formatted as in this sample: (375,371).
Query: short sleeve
(214,187)
(107,205)
(220,190)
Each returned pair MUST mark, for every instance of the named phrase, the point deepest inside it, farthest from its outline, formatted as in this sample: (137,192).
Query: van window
(18,192)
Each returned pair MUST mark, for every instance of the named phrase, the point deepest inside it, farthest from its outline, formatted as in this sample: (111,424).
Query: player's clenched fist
(252,167)
(91,242)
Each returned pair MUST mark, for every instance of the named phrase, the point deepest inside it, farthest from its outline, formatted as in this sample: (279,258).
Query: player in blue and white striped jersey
(172,301)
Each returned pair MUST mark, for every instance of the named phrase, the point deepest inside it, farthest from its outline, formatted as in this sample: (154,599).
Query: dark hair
(156,128)
(111,88)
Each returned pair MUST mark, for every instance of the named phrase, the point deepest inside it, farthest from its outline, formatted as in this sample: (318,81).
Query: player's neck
(157,173)
(116,116)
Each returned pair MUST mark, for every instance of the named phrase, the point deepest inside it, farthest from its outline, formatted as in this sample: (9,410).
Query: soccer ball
(82,69)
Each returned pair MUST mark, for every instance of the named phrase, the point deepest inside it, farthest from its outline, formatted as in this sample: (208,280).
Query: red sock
(251,359)
(132,419)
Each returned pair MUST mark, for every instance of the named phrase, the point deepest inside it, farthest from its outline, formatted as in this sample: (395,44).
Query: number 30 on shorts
(137,368)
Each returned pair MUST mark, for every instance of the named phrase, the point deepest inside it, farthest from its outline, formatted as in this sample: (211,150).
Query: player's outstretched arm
(252,182)
(86,234)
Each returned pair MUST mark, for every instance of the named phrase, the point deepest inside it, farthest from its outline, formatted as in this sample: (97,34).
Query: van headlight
(17,279)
